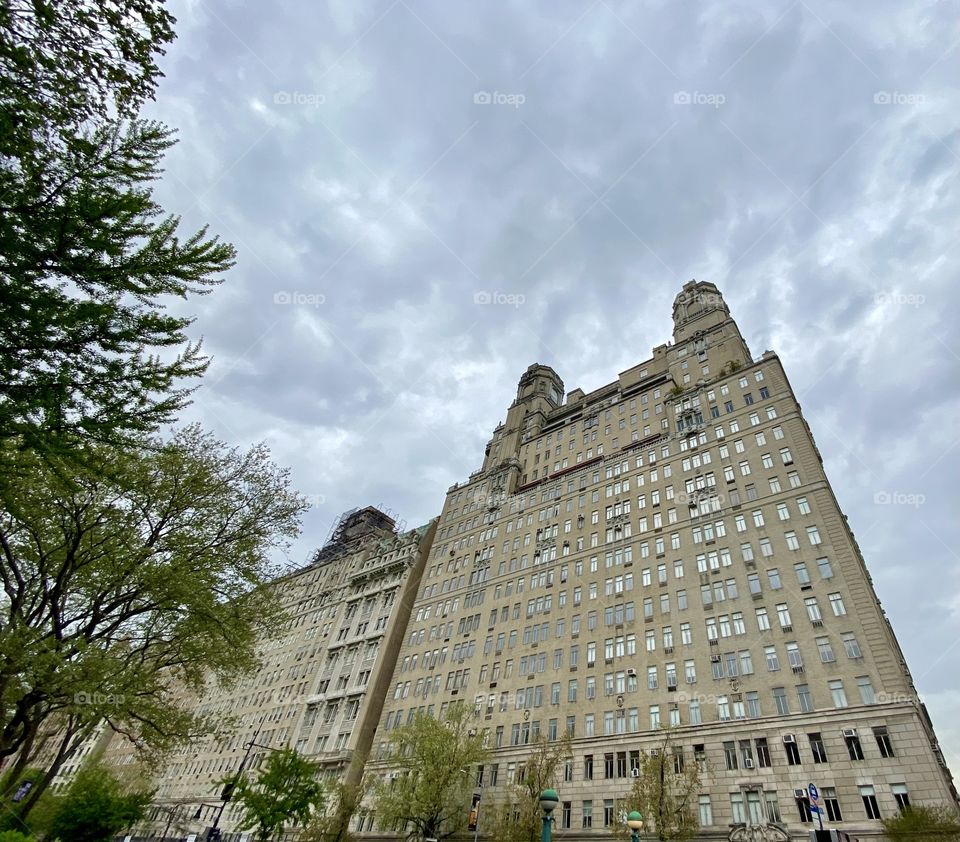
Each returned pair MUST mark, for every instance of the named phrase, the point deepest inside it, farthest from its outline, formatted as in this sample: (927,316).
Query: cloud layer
(381,166)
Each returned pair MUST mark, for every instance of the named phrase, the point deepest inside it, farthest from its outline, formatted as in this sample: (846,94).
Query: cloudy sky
(387,167)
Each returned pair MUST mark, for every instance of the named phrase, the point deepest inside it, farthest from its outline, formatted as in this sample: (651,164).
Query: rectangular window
(870,806)
(838,693)
(817,748)
(901,795)
(883,741)
(828,795)
(706,811)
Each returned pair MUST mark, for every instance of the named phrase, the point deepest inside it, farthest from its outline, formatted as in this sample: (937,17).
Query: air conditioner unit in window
(849,732)
(799,793)
(748,763)
(789,738)
(632,673)
(634,772)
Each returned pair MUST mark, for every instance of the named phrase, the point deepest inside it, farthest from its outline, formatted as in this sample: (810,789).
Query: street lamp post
(548,803)
(634,822)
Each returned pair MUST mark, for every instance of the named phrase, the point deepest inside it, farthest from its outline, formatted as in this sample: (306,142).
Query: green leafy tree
(665,792)
(130,573)
(427,795)
(520,819)
(285,791)
(88,260)
(96,807)
(14,836)
(915,824)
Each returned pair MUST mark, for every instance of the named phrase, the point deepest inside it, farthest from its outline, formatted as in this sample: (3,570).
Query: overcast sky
(385,168)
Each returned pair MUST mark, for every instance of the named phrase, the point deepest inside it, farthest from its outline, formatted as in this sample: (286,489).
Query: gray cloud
(799,155)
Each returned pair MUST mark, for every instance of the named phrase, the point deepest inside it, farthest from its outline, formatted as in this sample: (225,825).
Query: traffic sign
(812,791)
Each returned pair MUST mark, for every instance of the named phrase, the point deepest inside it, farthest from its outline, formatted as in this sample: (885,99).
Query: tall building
(323,678)
(666,551)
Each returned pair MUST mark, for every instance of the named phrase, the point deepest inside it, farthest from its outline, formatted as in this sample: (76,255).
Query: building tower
(666,552)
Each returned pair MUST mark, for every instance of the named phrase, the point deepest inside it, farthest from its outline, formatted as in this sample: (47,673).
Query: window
(870,805)
(706,811)
(730,755)
(804,699)
(793,753)
(864,685)
(813,611)
(823,565)
(763,752)
(763,620)
(851,646)
(825,650)
(803,808)
(587,813)
(817,748)
(883,741)
(901,795)
(836,603)
(607,812)
(783,614)
(736,807)
(828,795)
(773,807)
(854,749)
(781,701)
(838,693)
(814,535)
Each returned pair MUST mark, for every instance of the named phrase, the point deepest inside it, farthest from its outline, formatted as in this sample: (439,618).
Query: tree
(96,807)
(521,819)
(286,790)
(917,823)
(334,824)
(433,758)
(88,261)
(132,573)
(665,792)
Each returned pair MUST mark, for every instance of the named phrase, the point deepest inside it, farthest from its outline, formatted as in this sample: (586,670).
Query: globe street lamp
(634,822)
(548,803)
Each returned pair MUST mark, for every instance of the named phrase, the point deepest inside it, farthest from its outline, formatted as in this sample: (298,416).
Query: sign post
(815,807)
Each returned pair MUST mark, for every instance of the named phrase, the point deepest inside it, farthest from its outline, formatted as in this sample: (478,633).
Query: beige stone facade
(667,551)
(322,681)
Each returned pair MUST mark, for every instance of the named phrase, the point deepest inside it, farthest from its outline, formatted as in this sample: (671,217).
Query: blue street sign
(812,791)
